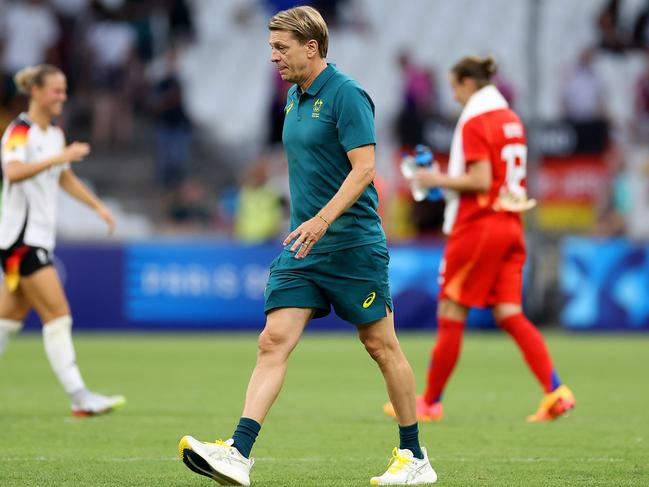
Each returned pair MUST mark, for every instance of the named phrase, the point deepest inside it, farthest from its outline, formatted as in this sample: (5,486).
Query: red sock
(532,345)
(443,358)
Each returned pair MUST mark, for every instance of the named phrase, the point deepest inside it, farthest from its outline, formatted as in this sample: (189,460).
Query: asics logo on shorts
(369,300)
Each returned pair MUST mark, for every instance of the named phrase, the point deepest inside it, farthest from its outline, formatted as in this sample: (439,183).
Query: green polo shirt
(333,116)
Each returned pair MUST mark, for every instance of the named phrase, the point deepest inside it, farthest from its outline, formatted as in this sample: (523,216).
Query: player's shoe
(405,469)
(92,404)
(554,404)
(425,411)
(219,461)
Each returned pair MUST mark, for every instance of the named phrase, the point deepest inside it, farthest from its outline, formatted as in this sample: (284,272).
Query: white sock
(8,328)
(57,338)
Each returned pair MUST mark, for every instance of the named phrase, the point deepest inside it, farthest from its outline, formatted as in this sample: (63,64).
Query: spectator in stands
(167,20)
(506,88)
(172,126)
(28,35)
(640,34)
(70,15)
(191,211)
(615,204)
(278,104)
(583,94)
(419,100)
(259,210)
(608,25)
(640,127)
(111,43)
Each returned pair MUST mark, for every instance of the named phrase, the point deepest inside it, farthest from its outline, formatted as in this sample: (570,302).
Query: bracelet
(323,219)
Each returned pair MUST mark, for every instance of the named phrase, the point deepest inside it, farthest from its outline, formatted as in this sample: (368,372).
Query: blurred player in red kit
(485,192)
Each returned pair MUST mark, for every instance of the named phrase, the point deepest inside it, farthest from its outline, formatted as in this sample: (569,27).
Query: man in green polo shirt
(335,255)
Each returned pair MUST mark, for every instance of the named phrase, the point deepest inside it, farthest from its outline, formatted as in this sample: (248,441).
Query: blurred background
(184,113)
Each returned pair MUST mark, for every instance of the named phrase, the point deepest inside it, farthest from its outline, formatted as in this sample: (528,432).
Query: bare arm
(359,178)
(476,180)
(362,174)
(17,171)
(79,191)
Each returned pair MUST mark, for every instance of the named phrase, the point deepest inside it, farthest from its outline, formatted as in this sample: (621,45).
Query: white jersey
(28,211)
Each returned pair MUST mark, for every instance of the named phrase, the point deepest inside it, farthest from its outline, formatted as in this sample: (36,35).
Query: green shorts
(354,281)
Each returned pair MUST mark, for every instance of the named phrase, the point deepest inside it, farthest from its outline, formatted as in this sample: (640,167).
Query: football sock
(8,328)
(531,343)
(444,357)
(245,435)
(409,440)
(57,339)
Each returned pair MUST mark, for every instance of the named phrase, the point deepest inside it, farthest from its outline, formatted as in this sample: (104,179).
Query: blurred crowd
(127,96)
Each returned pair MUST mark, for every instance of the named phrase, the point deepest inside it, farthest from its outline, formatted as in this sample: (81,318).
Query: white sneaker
(89,403)
(405,469)
(219,461)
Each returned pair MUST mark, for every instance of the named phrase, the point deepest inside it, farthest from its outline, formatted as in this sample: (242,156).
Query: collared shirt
(30,205)
(333,116)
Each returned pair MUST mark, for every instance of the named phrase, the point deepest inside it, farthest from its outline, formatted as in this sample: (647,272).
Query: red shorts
(483,262)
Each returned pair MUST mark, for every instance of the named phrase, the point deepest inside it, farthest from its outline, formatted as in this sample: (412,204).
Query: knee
(379,349)
(54,312)
(451,310)
(502,313)
(271,342)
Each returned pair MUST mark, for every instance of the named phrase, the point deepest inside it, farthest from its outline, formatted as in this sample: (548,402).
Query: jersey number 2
(515,156)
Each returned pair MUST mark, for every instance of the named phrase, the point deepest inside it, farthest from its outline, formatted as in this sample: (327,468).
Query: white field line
(322,459)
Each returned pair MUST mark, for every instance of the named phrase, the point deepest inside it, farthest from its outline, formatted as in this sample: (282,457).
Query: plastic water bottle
(423,158)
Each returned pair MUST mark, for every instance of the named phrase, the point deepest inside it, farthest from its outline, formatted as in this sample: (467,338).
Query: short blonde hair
(33,76)
(305,23)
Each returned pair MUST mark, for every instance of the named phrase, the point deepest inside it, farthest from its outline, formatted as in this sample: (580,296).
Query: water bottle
(423,158)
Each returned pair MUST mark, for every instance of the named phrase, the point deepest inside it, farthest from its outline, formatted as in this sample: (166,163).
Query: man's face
(290,57)
(463,90)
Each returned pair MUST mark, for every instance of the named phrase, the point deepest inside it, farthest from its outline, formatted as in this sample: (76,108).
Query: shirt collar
(321,79)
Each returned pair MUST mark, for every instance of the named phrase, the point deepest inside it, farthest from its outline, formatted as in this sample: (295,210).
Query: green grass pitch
(327,428)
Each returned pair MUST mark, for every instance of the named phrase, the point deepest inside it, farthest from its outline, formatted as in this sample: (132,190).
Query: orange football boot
(554,404)
(425,411)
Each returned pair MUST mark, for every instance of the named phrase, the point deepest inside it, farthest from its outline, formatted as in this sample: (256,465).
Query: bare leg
(44,291)
(13,305)
(381,343)
(281,334)
(13,309)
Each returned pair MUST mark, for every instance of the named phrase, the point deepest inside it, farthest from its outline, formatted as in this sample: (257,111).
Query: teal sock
(245,435)
(409,440)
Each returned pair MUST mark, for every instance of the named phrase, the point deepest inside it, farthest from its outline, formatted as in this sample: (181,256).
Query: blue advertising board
(206,284)
(605,284)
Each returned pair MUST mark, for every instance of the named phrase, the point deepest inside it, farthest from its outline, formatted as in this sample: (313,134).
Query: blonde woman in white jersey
(35,162)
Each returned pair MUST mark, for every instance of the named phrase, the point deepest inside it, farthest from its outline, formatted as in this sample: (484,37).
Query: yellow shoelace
(221,443)
(397,462)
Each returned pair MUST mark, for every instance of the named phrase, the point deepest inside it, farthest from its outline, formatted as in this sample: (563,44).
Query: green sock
(245,435)
(409,440)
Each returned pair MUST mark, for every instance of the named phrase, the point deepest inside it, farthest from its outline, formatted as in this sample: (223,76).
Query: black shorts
(29,259)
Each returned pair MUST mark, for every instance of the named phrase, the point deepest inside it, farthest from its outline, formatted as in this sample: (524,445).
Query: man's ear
(311,48)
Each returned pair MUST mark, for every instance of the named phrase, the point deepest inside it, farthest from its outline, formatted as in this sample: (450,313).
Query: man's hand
(306,236)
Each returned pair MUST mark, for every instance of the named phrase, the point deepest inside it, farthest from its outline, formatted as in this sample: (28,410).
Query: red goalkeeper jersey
(498,137)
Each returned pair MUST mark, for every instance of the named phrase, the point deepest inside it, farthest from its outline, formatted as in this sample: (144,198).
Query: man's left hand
(306,236)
